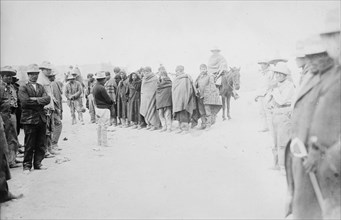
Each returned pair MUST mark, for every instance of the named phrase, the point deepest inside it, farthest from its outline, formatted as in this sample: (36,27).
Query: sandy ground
(221,173)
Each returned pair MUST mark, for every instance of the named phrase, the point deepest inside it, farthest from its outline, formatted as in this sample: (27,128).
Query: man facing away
(103,103)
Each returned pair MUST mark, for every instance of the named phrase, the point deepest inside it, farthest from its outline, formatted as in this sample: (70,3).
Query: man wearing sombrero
(33,98)
(9,104)
(43,79)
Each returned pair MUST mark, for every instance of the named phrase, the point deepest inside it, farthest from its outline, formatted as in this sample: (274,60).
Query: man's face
(107,77)
(52,78)
(264,66)
(203,69)
(134,76)
(33,77)
(7,78)
(280,76)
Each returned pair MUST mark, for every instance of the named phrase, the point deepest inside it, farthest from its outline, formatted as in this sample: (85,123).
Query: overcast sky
(140,33)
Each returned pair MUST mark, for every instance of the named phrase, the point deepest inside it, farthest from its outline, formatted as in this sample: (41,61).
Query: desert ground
(223,173)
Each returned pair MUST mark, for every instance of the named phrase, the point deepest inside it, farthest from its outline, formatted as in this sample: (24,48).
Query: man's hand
(314,154)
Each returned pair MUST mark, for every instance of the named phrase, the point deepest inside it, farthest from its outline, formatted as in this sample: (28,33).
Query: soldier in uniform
(281,98)
(267,77)
(73,93)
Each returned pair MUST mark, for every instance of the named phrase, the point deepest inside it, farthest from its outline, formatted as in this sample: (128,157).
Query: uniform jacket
(33,110)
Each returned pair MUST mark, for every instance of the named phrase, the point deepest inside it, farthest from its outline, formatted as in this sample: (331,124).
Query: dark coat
(164,94)
(304,202)
(134,95)
(326,126)
(33,110)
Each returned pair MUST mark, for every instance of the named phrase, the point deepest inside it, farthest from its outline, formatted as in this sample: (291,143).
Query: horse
(230,81)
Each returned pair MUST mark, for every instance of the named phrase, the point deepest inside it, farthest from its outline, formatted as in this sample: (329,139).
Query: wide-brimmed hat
(8,70)
(100,75)
(45,65)
(332,22)
(70,76)
(314,45)
(281,68)
(263,60)
(32,68)
(276,60)
(215,48)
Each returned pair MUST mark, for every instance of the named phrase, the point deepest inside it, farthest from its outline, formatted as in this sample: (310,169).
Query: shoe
(202,127)
(26,171)
(40,167)
(179,131)
(163,129)
(14,165)
(53,152)
(11,196)
(152,128)
(169,130)
(48,155)
(148,127)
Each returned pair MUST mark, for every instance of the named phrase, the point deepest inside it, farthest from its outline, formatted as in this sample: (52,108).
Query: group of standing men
(147,100)
(40,102)
(305,123)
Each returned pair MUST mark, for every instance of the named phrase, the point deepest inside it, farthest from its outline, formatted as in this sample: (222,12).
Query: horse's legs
(223,102)
(228,98)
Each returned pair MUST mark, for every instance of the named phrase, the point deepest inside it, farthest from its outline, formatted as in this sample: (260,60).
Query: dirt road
(220,173)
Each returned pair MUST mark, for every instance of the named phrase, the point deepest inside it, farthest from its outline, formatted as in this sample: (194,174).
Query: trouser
(262,113)
(281,134)
(58,126)
(92,111)
(103,118)
(35,135)
(76,105)
(206,113)
(11,137)
(165,115)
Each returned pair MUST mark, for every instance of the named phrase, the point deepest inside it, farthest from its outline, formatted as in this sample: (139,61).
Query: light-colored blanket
(148,100)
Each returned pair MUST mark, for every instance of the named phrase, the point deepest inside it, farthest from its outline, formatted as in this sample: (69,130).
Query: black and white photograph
(170,109)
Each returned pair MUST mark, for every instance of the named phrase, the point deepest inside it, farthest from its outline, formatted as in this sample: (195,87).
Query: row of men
(147,100)
(305,125)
